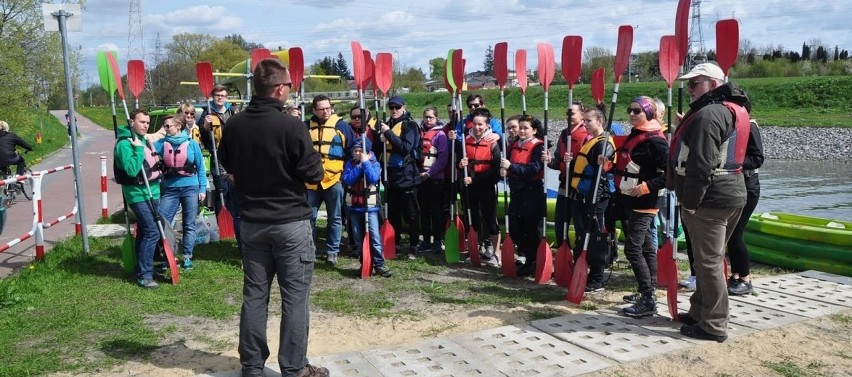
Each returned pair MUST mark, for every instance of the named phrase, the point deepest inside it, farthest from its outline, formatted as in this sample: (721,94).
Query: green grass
(786,368)
(102,116)
(841,318)
(54,134)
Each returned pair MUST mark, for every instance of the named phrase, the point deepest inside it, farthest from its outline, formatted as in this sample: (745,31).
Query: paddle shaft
(506,154)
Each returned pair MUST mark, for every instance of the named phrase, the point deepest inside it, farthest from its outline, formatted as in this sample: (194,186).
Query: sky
(416,31)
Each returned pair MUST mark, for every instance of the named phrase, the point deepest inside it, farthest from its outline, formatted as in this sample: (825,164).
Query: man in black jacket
(402,138)
(271,156)
(705,170)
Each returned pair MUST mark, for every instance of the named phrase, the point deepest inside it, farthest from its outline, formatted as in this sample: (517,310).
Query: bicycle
(10,192)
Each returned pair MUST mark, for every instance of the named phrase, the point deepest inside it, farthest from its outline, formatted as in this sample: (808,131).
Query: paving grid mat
(609,336)
(846,280)
(436,357)
(349,364)
(106,230)
(527,351)
(662,323)
(809,288)
(759,317)
(789,303)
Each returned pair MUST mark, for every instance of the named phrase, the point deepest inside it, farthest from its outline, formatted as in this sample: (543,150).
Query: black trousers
(526,233)
(432,201)
(737,249)
(402,206)
(481,199)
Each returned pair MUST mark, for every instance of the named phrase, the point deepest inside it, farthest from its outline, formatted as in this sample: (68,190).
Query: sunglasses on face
(189,113)
(474,105)
(394,107)
(634,111)
(353,117)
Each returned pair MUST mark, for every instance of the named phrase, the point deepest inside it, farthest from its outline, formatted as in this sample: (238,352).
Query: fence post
(39,213)
(104,202)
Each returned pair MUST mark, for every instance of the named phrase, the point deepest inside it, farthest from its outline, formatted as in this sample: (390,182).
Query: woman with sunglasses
(639,176)
(186,112)
(185,181)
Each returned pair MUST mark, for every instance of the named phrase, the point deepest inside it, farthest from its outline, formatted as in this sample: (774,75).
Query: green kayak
(805,228)
(807,249)
(797,261)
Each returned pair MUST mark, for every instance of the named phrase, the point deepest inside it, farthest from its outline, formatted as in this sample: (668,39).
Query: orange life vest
(478,153)
(522,154)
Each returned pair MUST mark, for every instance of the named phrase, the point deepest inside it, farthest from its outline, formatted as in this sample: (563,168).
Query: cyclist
(8,155)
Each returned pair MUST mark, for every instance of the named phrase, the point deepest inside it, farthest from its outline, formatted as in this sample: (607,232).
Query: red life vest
(175,160)
(578,136)
(626,170)
(429,153)
(478,153)
(357,196)
(522,154)
(732,151)
(151,167)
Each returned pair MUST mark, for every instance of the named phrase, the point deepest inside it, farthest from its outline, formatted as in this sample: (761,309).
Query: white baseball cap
(710,70)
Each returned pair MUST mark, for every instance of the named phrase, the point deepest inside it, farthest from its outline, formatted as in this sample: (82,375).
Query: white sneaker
(493,262)
(688,284)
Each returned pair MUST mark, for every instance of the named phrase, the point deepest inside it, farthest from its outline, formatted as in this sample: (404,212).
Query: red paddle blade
(669,58)
(572,59)
(622,52)
(727,43)
(368,70)
(116,74)
(543,263)
(358,64)
(460,230)
(473,247)
(507,256)
(577,287)
(562,268)
(671,288)
(384,72)
(682,28)
(388,240)
(545,64)
(664,265)
(170,259)
(521,69)
(366,260)
(449,78)
(458,70)
(226,224)
(598,84)
(297,67)
(204,72)
(136,77)
(501,66)
(257,55)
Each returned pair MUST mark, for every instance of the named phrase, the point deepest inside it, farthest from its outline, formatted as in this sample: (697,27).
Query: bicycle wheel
(26,187)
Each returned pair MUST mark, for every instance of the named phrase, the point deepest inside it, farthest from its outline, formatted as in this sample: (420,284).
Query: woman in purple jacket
(433,161)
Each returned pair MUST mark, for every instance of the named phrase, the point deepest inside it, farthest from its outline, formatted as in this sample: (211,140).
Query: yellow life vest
(195,134)
(582,170)
(216,126)
(329,142)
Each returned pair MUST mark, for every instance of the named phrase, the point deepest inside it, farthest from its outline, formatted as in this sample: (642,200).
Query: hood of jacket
(727,92)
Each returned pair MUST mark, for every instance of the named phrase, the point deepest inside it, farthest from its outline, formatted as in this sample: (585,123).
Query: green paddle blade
(104,73)
(451,245)
(128,254)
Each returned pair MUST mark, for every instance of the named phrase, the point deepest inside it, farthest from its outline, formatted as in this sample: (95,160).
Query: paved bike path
(58,194)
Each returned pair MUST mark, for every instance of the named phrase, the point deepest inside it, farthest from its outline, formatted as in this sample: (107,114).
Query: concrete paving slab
(271,370)
(809,288)
(827,277)
(527,351)
(436,357)
(760,317)
(789,303)
(608,336)
(349,364)
(662,323)
(107,230)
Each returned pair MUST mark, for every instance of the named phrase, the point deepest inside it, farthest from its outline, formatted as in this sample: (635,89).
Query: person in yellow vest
(329,133)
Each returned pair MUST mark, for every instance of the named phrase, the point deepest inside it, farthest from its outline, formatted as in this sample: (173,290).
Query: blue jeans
(333,199)
(187,197)
(147,237)
(285,250)
(356,221)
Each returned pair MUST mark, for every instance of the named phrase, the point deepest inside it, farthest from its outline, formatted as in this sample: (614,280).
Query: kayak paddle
(544,257)
(136,78)
(383,78)
(501,72)
(727,44)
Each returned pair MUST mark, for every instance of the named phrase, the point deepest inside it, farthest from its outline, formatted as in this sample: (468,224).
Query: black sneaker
(526,269)
(632,298)
(645,306)
(740,288)
(383,271)
(686,319)
(594,288)
(696,332)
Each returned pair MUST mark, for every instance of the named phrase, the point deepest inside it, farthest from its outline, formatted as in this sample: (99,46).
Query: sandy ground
(819,347)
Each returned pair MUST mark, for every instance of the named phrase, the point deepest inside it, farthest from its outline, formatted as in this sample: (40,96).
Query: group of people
(277,172)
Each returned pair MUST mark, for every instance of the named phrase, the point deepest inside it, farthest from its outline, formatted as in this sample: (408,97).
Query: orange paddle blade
(170,258)
(388,240)
(460,229)
(543,263)
(563,267)
(577,288)
(473,247)
(366,260)
(507,256)
(664,264)
(226,224)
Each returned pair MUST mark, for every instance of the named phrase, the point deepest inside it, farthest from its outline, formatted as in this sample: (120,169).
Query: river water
(810,188)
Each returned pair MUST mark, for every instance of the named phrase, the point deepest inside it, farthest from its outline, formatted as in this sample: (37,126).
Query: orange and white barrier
(104,202)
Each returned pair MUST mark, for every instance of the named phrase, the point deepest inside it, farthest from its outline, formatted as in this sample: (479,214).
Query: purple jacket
(441,144)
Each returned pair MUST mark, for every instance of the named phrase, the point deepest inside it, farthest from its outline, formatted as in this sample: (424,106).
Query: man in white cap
(705,170)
